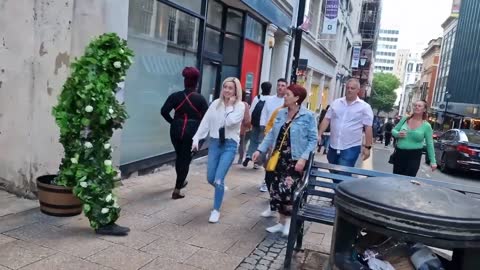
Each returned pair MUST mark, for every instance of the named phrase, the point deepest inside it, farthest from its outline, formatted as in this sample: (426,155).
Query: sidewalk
(165,233)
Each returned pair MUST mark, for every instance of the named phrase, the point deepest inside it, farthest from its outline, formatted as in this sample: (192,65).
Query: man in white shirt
(348,117)
(271,105)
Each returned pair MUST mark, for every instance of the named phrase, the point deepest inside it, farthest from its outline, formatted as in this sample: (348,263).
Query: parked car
(458,149)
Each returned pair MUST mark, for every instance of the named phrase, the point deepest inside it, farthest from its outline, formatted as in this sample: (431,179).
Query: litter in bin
(376,264)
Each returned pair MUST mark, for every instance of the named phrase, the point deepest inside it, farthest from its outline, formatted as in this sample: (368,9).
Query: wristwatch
(368,147)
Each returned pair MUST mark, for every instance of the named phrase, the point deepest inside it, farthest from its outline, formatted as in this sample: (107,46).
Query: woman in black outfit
(189,108)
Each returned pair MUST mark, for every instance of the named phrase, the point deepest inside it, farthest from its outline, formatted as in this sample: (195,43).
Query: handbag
(392,157)
(275,157)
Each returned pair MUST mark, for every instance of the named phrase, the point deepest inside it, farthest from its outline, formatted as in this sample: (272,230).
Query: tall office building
(385,54)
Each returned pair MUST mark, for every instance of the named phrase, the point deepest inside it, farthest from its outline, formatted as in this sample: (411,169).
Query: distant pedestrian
(244,130)
(222,123)
(189,107)
(325,141)
(388,132)
(294,135)
(348,117)
(257,122)
(411,133)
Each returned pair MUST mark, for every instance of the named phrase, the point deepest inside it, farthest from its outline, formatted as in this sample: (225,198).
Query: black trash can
(409,211)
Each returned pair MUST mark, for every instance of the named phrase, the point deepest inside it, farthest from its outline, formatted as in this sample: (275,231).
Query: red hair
(298,91)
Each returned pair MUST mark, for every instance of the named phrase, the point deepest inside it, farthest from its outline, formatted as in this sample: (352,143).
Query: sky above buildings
(418,21)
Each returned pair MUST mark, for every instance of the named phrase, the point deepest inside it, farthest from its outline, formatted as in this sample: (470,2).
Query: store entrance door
(210,79)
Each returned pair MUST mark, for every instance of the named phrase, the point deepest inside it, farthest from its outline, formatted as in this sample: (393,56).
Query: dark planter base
(57,200)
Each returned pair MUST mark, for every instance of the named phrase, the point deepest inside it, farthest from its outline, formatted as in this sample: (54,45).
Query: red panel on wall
(251,66)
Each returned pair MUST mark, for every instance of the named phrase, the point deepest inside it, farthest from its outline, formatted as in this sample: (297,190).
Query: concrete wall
(39,39)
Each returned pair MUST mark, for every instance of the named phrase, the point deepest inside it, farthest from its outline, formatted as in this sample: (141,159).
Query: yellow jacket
(271,121)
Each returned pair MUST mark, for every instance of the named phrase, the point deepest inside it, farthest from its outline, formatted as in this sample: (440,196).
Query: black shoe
(245,162)
(112,229)
(185,183)
(177,195)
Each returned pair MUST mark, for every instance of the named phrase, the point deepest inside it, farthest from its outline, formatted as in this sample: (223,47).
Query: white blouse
(217,116)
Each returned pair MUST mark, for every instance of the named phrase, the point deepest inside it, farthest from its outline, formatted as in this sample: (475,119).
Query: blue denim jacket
(303,133)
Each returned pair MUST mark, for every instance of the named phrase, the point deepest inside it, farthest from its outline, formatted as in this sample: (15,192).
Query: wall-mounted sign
(356,56)
(331,17)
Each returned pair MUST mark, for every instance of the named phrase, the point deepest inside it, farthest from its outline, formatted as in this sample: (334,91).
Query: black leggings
(407,162)
(183,148)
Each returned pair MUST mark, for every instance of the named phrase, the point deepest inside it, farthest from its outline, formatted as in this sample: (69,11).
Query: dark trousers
(183,148)
(407,162)
(388,138)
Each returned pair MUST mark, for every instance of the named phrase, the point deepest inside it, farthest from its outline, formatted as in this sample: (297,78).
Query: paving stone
(61,261)
(5,239)
(261,267)
(276,266)
(137,221)
(268,258)
(162,263)
(174,231)
(268,242)
(246,266)
(17,254)
(271,254)
(278,246)
(170,248)
(121,258)
(264,262)
(256,257)
(212,242)
(263,248)
(259,253)
(251,261)
(276,250)
(135,239)
(212,260)
(242,248)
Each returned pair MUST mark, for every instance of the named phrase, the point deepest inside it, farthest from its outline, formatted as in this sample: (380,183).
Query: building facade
(430,58)
(400,64)
(386,52)
(248,39)
(413,71)
(449,30)
(463,82)
(369,29)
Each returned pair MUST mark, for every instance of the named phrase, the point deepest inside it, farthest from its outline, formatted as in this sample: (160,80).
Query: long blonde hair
(238,90)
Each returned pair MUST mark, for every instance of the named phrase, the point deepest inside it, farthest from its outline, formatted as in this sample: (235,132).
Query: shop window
(215,12)
(231,49)
(212,40)
(254,30)
(193,5)
(164,43)
(234,21)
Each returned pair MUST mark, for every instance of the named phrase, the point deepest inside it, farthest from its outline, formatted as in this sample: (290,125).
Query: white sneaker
(214,216)
(263,187)
(286,227)
(275,228)
(267,213)
(256,166)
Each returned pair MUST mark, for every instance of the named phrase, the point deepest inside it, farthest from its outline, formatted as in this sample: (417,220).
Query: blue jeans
(220,159)
(326,142)
(347,157)
(256,138)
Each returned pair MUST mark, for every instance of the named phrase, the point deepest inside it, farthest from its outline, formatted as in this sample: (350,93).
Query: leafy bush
(87,114)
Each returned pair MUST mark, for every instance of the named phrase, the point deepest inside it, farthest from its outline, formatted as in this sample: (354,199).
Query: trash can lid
(405,203)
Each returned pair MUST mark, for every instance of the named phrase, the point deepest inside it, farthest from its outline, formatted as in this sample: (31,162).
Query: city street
(379,162)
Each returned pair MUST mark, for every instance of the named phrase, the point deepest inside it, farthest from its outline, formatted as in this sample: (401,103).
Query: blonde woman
(222,123)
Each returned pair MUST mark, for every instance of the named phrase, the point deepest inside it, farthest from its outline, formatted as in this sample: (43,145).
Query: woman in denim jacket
(298,125)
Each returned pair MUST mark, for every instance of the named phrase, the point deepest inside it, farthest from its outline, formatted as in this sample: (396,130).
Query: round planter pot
(57,200)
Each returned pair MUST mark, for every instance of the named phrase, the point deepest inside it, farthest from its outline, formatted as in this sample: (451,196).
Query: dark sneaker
(113,229)
(245,162)
(177,195)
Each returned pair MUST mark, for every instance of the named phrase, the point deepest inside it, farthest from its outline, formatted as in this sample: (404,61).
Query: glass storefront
(164,40)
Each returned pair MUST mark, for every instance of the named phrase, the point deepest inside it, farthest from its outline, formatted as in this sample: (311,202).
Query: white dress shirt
(271,105)
(347,122)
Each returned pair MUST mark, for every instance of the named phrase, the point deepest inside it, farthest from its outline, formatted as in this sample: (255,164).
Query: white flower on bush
(74,160)
(110,110)
(88,145)
(108,198)
(115,205)
(122,51)
(89,108)
(107,162)
(105,210)
(122,78)
(106,146)
(130,59)
(84,184)
(117,64)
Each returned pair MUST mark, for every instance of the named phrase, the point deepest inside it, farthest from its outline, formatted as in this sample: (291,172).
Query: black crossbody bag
(391,160)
